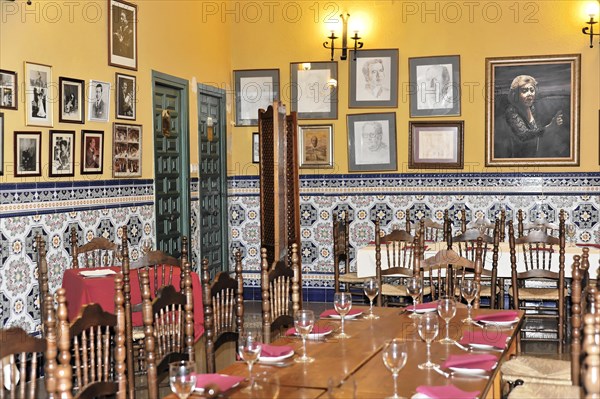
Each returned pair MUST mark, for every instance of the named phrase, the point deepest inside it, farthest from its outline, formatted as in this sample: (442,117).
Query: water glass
(304,321)
(447,310)
(428,328)
(371,287)
(342,302)
(414,288)
(468,289)
(249,348)
(394,356)
(182,378)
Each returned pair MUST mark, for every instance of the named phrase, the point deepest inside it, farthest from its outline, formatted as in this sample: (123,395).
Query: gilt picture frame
(315,143)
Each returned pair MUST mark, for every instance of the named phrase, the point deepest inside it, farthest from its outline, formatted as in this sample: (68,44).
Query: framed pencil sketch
(99,101)
(38,94)
(125,97)
(8,89)
(372,142)
(255,147)
(62,153)
(1,144)
(71,108)
(28,154)
(254,89)
(532,110)
(316,146)
(92,152)
(436,145)
(374,79)
(127,150)
(314,89)
(122,34)
(434,86)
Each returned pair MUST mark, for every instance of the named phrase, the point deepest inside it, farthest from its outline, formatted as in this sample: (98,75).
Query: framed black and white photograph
(316,146)
(436,145)
(8,89)
(314,89)
(127,150)
(255,147)
(374,79)
(92,152)
(62,153)
(254,89)
(99,101)
(125,96)
(28,154)
(434,86)
(532,110)
(72,104)
(122,34)
(372,142)
(39,94)
(1,144)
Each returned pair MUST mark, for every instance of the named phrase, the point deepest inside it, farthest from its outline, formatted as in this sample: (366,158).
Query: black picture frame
(72,103)
(9,93)
(92,152)
(122,34)
(314,89)
(61,153)
(436,145)
(374,79)
(368,148)
(28,154)
(125,96)
(254,89)
(434,86)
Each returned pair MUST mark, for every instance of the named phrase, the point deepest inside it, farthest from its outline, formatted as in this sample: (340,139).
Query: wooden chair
(539,224)
(99,252)
(433,231)
(341,254)
(223,309)
(162,265)
(280,288)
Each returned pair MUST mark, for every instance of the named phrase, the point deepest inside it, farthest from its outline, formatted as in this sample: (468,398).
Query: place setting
(184,381)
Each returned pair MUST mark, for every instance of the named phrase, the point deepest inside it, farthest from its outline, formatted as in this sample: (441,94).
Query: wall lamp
(344,47)
(592,10)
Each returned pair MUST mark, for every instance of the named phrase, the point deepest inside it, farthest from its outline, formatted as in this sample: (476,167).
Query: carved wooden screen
(267,181)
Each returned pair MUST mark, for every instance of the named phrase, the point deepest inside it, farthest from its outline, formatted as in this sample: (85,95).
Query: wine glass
(304,321)
(468,288)
(447,310)
(394,356)
(342,302)
(414,288)
(571,233)
(249,348)
(182,378)
(428,328)
(371,287)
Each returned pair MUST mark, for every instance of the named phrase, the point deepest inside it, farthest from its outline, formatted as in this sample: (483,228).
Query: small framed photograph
(62,153)
(8,89)
(127,150)
(436,145)
(434,86)
(99,101)
(28,154)
(1,144)
(125,96)
(255,147)
(314,89)
(92,152)
(374,79)
(38,94)
(122,34)
(254,89)
(372,142)
(316,146)
(71,109)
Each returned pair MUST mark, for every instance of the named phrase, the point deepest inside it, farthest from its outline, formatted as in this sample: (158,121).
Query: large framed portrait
(39,94)
(71,109)
(28,154)
(372,142)
(62,153)
(1,144)
(532,110)
(122,34)
(436,145)
(92,152)
(125,97)
(127,150)
(99,101)
(434,86)
(8,89)
(314,89)
(316,146)
(254,89)
(374,79)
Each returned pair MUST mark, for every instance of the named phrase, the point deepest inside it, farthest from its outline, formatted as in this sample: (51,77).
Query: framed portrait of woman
(62,153)
(71,100)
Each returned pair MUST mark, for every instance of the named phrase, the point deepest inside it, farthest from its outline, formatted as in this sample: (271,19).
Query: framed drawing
(28,154)
(314,89)
(316,146)
(434,86)
(99,101)
(127,150)
(71,100)
(532,110)
(62,153)
(372,142)
(122,34)
(255,147)
(1,144)
(8,89)
(92,152)
(374,79)
(254,89)
(38,94)
(436,145)
(125,97)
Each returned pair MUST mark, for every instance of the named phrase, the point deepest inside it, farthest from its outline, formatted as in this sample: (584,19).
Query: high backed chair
(162,266)
(223,309)
(99,252)
(341,254)
(540,224)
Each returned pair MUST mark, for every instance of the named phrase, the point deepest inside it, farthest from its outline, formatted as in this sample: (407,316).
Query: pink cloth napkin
(274,350)
(315,330)
(486,337)
(224,382)
(507,315)
(423,306)
(446,392)
(482,361)
(333,312)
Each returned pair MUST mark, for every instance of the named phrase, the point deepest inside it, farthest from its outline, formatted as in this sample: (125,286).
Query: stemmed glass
(342,302)
(304,321)
(394,356)
(182,378)
(468,288)
(414,288)
(571,233)
(428,328)
(447,310)
(371,287)
(249,348)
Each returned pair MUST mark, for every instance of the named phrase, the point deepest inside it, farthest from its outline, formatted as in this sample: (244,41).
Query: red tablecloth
(101,290)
